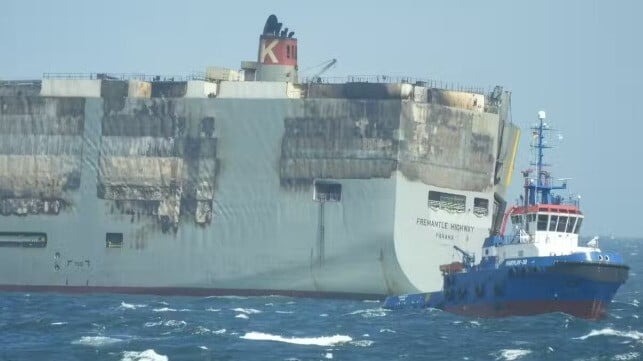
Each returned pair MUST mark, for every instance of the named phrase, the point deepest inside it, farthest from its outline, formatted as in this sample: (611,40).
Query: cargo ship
(538,267)
(246,181)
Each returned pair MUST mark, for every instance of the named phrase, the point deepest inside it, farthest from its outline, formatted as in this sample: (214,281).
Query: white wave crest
(247,311)
(130,306)
(219,332)
(328,355)
(627,356)
(203,347)
(284,312)
(634,335)
(362,343)
(164,309)
(175,323)
(316,341)
(200,330)
(213,309)
(168,323)
(147,355)
(382,330)
(370,312)
(96,341)
(58,323)
(511,354)
(242,315)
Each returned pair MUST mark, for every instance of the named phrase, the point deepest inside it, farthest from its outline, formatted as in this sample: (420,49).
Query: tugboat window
(327,191)
(542,222)
(515,220)
(570,224)
(562,224)
(552,223)
(578,223)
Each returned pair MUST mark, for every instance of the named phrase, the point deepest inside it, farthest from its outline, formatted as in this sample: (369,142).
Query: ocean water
(120,327)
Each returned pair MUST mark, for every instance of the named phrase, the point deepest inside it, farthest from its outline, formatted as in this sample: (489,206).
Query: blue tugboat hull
(582,289)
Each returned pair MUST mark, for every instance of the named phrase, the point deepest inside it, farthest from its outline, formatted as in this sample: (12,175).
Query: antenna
(538,190)
(541,118)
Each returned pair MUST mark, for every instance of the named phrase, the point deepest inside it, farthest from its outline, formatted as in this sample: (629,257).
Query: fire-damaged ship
(247,181)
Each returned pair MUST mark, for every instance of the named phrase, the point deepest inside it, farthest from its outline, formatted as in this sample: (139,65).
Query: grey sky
(578,60)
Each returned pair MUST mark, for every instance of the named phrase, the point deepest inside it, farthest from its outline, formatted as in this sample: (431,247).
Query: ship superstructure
(246,181)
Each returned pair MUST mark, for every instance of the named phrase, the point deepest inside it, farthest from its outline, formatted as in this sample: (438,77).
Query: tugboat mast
(542,185)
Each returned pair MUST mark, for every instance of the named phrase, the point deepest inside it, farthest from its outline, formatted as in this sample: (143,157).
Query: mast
(542,186)
(541,118)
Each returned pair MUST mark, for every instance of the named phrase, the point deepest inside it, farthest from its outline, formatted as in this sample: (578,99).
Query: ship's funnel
(277,58)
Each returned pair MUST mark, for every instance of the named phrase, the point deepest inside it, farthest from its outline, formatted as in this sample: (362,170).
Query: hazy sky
(578,60)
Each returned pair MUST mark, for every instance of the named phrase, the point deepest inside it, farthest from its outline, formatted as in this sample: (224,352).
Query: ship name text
(444,225)
(516,262)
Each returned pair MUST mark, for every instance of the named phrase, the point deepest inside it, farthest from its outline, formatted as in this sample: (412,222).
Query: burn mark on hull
(340,139)
(42,146)
(361,139)
(158,162)
(448,147)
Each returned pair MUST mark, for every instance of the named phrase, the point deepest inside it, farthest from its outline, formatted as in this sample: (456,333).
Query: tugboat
(538,268)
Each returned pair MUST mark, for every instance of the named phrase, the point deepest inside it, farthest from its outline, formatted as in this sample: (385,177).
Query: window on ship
(578,223)
(515,220)
(542,222)
(562,224)
(327,191)
(113,240)
(447,201)
(481,207)
(570,224)
(23,239)
(552,223)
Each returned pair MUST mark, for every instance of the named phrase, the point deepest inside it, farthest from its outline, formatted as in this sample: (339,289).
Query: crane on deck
(325,66)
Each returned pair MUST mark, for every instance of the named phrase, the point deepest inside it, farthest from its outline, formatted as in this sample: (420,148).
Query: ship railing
(13,83)
(388,79)
(124,76)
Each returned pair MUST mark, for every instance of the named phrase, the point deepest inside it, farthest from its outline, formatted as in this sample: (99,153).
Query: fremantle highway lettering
(446,226)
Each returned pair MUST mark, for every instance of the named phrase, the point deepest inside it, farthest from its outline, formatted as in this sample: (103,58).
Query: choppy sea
(36,326)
